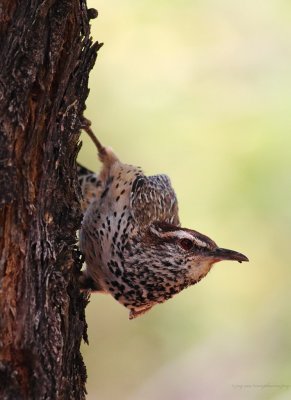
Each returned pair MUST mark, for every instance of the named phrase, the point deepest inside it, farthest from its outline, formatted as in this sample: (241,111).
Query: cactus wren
(134,246)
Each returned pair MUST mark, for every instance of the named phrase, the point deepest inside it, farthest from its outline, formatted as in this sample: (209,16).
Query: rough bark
(46,54)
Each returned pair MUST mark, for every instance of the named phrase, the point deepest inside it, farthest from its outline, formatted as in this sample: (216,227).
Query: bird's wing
(90,184)
(153,199)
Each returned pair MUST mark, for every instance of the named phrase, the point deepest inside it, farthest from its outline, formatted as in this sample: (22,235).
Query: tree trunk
(46,54)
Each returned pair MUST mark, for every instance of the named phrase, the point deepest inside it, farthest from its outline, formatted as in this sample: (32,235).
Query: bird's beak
(225,254)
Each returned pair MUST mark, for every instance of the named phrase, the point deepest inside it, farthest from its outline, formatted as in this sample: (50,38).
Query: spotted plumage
(90,186)
(131,237)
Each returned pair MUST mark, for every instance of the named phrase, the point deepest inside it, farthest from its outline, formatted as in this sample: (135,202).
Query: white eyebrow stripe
(199,242)
(186,235)
(180,235)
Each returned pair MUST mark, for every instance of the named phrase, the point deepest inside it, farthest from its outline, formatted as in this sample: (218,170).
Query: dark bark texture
(46,54)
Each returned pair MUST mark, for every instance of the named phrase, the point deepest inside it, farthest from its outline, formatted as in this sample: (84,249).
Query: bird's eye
(186,244)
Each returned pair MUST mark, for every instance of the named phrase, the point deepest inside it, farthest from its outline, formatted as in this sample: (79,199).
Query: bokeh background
(200,90)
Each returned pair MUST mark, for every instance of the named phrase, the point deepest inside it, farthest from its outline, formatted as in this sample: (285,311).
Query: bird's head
(187,252)
(172,258)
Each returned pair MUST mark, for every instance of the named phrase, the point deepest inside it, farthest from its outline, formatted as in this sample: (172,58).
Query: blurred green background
(201,91)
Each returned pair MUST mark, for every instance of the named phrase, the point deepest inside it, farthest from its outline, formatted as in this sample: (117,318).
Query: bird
(131,237)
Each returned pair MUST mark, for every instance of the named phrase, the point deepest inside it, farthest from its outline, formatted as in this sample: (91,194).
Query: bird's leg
(86,125)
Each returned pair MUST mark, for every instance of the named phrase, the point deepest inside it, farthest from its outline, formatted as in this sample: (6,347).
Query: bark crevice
(46,54)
